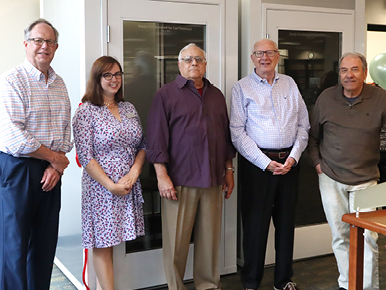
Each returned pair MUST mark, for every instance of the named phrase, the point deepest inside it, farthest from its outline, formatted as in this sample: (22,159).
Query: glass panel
(311,59)
(149,61)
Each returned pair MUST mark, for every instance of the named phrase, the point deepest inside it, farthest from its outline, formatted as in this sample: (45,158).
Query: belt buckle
(282,155)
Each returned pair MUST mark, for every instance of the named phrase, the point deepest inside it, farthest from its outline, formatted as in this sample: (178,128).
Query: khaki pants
(201,208)
(338,199)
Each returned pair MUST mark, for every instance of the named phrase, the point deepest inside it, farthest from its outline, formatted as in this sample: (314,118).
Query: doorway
(146,37)
(310,48)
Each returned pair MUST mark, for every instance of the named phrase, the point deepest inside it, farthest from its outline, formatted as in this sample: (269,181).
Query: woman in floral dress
(111,149)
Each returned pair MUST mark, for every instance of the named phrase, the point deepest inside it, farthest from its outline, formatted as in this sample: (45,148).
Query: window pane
(150,60)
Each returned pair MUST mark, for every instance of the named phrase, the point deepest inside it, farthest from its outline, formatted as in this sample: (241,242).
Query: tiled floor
(59,281)
(312,274)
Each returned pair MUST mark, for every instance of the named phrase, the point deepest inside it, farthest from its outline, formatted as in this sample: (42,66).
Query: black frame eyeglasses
(109,76)
(39,41)
(269,53)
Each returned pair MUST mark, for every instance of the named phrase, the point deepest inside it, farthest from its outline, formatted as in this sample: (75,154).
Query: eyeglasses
(260,53)
(109,76)
(189,59)
(40,41)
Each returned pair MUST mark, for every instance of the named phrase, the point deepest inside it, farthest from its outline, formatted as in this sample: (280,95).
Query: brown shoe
(288,286)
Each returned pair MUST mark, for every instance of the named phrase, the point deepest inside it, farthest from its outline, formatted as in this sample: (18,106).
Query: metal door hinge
(108,33)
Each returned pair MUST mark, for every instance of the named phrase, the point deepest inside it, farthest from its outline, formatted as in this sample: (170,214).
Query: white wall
(15,16)
(376,12)
(376,40)
(64,16)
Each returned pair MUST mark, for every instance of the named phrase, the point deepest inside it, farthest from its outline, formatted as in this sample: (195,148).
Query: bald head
(265,56)
(263,42)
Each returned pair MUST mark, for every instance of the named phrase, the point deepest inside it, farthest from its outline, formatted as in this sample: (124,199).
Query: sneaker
(288,286)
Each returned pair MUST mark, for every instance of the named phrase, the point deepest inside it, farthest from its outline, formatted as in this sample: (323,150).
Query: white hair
(186,47)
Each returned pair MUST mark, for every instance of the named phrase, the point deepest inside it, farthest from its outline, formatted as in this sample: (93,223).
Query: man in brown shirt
(344,148)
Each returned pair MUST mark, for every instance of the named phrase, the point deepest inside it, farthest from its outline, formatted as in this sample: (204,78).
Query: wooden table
(374,221)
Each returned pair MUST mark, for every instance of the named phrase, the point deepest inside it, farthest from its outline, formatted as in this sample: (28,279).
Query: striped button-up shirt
(33,112)
(268,116)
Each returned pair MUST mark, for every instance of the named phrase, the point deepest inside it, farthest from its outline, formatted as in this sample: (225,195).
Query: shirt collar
(261,80)
(364,94)
(181,81)
(37,74)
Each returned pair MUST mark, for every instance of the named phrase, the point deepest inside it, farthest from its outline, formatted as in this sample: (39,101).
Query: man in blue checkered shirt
(269,127)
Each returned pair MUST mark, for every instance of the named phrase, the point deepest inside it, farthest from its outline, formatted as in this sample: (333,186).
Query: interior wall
(376,12)
(376,40)
(12,32)
(67,64)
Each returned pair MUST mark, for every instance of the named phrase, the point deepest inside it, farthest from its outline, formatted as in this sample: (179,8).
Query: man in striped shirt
(35,135)
(269,127)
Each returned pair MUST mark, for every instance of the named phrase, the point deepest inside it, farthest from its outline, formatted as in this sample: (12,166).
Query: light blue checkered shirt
(268,116)
(33,112)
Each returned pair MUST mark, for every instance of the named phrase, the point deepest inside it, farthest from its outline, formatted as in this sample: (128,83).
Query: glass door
(310,48)
(150,61)
(146,37)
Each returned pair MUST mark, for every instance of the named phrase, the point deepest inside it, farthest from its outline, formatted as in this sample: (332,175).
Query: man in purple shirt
(189,144)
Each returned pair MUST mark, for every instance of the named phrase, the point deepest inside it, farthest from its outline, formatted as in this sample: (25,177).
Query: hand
(60,162)
(129,179)
(276,168)
(280,169)
(289,163)
(119,189)
(50,178)
(166,188)
(318,169)
(229,184)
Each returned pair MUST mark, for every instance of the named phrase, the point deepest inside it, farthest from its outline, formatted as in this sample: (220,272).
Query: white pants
(338,199)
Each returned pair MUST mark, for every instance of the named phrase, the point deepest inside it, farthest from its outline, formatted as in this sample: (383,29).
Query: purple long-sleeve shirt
(190,133)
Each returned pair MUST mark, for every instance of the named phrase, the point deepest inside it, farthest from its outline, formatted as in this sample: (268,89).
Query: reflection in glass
(311,59)
(150,60)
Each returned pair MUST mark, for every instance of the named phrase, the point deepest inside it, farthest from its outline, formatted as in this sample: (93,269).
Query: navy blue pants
(264,195)
(29,220)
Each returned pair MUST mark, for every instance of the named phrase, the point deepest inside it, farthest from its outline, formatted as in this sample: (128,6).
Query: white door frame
(252,15)
(307,237)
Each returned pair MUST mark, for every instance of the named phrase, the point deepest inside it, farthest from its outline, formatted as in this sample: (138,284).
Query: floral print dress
(107,219)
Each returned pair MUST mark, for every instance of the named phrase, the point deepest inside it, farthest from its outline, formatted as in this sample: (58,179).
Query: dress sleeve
(84,134)
(142,144)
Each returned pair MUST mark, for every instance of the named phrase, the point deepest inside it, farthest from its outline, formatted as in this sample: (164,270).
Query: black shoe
(341,288)
(288,286)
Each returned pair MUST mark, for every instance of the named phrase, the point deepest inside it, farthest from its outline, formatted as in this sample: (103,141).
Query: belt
(280,154)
